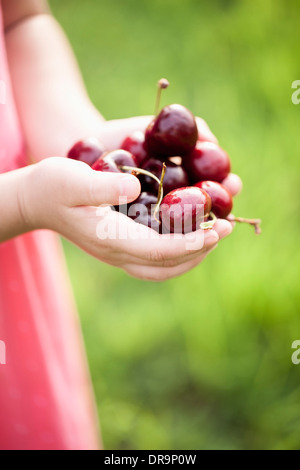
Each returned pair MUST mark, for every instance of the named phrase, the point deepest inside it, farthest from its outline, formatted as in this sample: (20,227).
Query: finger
(205,134)
(233,183)
(138,269)
(118,258)
(94,188)
(223,228)
(78,185)
(160,274)
(124,235)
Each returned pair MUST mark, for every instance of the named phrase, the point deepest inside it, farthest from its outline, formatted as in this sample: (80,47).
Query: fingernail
(212,137)
(207,135)
(212,240)
(129,186)
(223,228)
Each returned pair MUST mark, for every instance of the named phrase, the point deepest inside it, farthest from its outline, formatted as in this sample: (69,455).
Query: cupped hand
(73,200)
(77,202)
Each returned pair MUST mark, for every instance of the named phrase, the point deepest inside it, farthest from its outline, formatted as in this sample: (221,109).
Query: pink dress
(46,400)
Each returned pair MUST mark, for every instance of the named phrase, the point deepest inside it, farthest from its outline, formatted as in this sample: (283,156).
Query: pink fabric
(46,401)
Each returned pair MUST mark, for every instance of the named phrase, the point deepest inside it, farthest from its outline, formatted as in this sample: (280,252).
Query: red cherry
(175,176)
(114,161)
(134,144)
(142,211)
(184,209)
(220,196)
(173,132)
(207,162)
(87,150)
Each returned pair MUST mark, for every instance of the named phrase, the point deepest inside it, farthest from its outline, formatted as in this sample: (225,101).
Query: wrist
(26,196)
(15,218)
(37,193)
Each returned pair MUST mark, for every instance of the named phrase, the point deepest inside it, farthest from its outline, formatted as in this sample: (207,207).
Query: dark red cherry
(142,211)
(173,132)
(184,209)
(207,162)
(220,197)
(114,161)
(134,144)
(175,176)
(87,150)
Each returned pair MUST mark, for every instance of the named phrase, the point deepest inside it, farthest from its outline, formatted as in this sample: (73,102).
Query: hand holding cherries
(180,174)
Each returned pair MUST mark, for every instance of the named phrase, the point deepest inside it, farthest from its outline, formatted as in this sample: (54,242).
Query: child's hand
(65,195)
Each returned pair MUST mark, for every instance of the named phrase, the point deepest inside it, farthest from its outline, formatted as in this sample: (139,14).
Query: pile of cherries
(180,174)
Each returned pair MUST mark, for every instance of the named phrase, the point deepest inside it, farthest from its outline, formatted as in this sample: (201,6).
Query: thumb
(98,188)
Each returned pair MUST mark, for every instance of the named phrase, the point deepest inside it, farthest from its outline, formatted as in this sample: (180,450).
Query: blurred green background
(202,361)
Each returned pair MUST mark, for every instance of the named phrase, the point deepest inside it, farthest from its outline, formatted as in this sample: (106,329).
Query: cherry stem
(255,222)
(161,85)
(209,223)
(136,171)
(160,192)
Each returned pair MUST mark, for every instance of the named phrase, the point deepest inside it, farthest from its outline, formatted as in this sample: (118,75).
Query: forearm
(13,220)
(52,101)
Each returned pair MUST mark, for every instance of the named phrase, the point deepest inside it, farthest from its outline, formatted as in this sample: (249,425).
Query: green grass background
(202,361)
